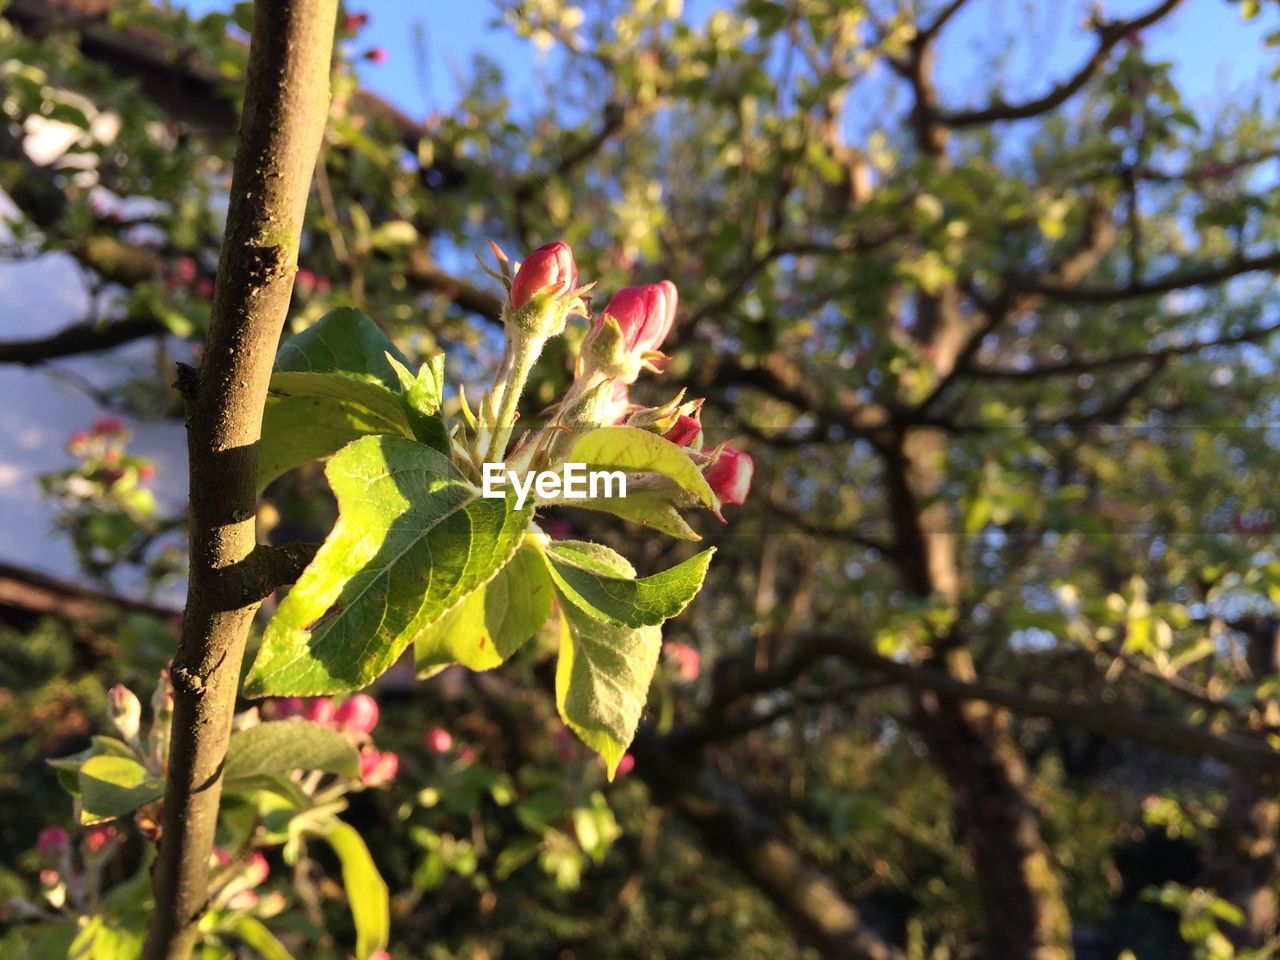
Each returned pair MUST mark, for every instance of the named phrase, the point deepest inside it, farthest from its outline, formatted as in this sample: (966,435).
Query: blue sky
(430,44)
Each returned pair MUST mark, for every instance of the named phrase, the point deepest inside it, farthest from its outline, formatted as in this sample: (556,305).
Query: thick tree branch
(78,339)
(1199,276)
(1077,365)
(732,828)
(286,102)
(1109,35)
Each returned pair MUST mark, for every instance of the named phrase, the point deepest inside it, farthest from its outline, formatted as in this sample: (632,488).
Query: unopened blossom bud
(376,55)
(52,843)
(439,740)
(685,431)
(548,272)
(107,426)
(688,661)
(146,471)
(355,21)
(257,870)
(618,402)
(125,711)
(100,838)
(78,442)
(286,707)
(625,765)
(357,714)
(630,328)
(243,900)
(730,476)
(378,767)
(221,858)
(319,710)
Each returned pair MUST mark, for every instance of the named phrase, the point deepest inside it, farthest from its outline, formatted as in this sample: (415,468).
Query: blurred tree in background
(987,665)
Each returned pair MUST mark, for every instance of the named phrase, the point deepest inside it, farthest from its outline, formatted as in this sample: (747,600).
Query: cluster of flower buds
(234,883)
(184,274)
(356,716)
(68,881)
(105,463)
(621,342)
(308,282)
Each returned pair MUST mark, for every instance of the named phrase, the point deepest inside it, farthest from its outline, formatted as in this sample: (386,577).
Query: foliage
(1003,352)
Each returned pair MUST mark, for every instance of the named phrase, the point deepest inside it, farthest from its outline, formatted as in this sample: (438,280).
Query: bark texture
(286,103)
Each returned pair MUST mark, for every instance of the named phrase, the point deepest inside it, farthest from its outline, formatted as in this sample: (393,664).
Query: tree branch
(78,339)
(732,828)
(1109,34)
(286,100)
(1085,365)
(1180,280)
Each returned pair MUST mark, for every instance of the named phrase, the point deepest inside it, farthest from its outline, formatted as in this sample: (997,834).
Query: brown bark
(286,102)
(1026,915)
(1244,859)
(732,828)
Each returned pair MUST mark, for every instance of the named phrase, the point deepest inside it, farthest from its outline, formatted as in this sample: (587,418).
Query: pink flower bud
(305,280)
(615,410)
(625,765)
(376,55)
(124,710)
(221,857)
(319,710)
(644,314)
(287,707)
(730,476)
(439,740)
(53,842)
(107,426)
(204,288)
(243,900)
(353,22)
(50,877)
(146,471)
(257,869)
(77,442)
(684,431)
(378,768)
(184,271)
(98,838)
(688,660)
(358,714)
(548,270)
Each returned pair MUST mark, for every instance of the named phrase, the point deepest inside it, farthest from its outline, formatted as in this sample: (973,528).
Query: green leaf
(254,933)
(366,890)
(595,557)
(413,538)
(645,508)
(342,341)
(99,941)
(633,450)
(293,744)
(603,674)
(421,397)
(112,786)
(491,623)
(621,599)
(393,234)
(310,416)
